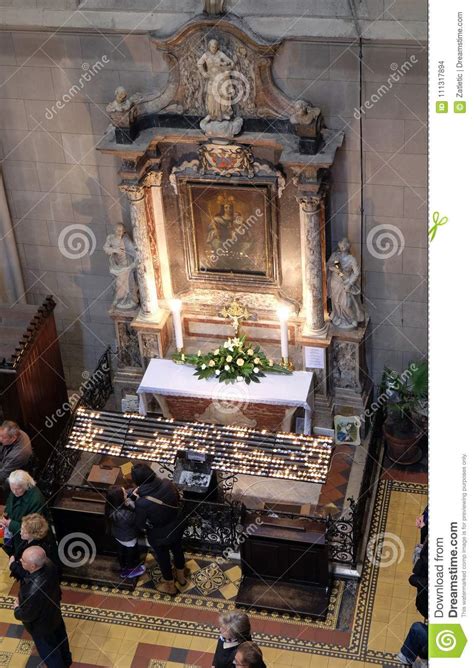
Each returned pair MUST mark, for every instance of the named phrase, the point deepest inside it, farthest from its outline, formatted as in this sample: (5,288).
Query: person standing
(120,523)
(158,513)
(38,607)
(24,499)
(15,450)
(249,655)
(415,645)
(234,629)
(419,580)
(34,530)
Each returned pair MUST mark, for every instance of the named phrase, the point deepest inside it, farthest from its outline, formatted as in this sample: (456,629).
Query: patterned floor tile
(146,630)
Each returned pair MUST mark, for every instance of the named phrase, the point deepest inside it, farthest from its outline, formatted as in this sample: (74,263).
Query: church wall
(47,191)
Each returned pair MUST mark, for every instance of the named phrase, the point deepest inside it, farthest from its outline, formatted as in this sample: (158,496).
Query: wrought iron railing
(93,393)
(368,486)
(211,526)
(97,388)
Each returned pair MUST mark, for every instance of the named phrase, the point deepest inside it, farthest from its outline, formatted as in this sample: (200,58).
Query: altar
(269,404)
(228,201)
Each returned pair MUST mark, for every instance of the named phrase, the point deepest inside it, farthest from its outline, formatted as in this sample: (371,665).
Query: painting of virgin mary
(230,229)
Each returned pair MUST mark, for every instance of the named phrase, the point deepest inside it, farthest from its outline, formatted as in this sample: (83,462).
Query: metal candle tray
(234,450)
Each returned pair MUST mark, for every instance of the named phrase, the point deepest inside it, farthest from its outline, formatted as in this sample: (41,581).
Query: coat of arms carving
(226,160)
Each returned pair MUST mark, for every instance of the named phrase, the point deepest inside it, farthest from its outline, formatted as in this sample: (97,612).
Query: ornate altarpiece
(229,198)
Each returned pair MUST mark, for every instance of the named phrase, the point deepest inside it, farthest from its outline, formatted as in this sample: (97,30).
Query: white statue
(344,288)
(215,67)
(121,110)
(122,263)
(303,113)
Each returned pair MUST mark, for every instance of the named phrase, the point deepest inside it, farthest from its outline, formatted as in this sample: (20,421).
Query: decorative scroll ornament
(186,167)
(262,169)
(226,160)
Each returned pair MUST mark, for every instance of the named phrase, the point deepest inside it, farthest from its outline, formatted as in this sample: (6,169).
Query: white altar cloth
(166,378)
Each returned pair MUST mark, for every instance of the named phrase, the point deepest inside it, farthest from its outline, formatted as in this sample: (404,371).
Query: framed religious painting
(230,232)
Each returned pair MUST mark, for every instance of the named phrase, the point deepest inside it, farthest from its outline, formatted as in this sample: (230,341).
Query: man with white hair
(38,606)
(15,449)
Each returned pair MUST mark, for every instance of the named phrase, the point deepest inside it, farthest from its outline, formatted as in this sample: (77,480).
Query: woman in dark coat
(120,523)
(158,513)
(234,630)
(34,531)
(24,499)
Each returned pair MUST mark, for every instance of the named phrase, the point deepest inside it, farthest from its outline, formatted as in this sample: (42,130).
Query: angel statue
(344,288)
(122,263)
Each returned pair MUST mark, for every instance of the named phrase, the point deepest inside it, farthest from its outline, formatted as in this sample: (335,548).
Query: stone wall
(390,239)
(55,178)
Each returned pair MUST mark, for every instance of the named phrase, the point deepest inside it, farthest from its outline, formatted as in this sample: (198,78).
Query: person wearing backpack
(120,523)
(158,512)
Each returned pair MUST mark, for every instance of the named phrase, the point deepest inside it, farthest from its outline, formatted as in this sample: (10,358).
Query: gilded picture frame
(230,231)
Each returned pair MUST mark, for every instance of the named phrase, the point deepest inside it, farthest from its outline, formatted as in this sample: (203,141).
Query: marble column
(153,180)
(149,308)
(312,263)
(12,288)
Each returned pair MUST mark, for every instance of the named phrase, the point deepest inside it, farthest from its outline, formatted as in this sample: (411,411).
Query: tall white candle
(175,305)
(283,314)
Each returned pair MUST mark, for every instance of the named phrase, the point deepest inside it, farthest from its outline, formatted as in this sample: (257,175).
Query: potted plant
(406,396)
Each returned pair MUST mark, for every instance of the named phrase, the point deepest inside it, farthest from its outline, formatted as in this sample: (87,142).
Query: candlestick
(175,305)
(283,314)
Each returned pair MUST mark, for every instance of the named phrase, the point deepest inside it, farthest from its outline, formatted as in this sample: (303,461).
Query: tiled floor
(144,630)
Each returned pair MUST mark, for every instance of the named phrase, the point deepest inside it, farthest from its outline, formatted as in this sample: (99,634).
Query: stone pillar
(313,292)
(149,309)
(153,180)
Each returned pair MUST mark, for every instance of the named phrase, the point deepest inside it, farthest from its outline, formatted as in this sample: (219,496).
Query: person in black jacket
(422,525)
(120,522)
(158,512)
(38,606)
(249,655)
(419,579)
(34,531)
(234,628)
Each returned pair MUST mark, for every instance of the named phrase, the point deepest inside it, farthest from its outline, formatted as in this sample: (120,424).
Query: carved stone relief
(150,347)
(128,347)
(226,160)
(237,87)
(344,365)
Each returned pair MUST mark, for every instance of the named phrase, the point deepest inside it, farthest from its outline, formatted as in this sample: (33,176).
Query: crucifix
(236,312)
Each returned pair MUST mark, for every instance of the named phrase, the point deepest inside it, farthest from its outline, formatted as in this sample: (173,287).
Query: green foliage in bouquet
(235,360)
